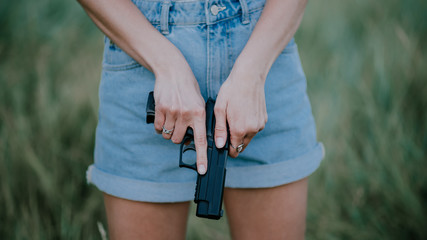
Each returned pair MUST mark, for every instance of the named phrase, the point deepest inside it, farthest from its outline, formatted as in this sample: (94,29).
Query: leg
(142,220)
(267,213)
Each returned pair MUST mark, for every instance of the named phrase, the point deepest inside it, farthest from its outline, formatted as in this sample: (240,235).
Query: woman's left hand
(241,104)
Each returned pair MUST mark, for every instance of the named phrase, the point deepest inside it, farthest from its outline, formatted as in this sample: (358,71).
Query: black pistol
(209,187)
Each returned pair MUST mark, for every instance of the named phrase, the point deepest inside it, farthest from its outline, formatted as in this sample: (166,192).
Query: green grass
(366,67)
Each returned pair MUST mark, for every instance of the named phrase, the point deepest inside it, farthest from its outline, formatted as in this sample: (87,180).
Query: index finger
(199,129)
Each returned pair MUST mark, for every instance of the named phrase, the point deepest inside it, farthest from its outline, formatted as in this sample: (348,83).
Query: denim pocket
(115,59)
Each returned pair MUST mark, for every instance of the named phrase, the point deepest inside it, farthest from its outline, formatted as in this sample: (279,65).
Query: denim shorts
(133,162)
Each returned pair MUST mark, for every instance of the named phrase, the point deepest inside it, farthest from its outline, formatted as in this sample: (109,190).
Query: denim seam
(204,22)
(113,184)
(121,67)
(229,48)
(208,90)
(160,1)
(302,165)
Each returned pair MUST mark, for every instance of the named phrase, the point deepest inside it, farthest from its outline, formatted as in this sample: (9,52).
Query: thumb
(220,125)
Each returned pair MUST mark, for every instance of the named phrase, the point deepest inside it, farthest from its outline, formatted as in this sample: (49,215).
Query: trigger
(190,146)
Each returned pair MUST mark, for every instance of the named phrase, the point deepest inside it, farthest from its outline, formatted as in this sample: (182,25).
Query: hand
(241,104)
(179,105)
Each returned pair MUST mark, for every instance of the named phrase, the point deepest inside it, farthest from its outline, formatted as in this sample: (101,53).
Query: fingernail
(202,169)
(220,142)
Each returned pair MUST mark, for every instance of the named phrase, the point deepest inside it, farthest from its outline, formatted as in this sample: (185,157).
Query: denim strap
(164,17)
(245,11)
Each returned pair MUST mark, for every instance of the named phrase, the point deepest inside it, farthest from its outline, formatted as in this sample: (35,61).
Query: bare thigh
(267,213)
(142,220)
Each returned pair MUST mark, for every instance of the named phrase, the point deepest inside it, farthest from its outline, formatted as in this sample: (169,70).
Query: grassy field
(366,64)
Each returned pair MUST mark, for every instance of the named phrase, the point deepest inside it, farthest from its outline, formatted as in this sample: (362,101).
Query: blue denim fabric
(133,162)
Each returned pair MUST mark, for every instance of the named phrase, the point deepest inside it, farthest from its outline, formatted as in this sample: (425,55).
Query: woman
(243,54)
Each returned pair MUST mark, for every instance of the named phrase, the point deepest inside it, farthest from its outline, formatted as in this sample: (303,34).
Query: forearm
(127,27)
(277,24)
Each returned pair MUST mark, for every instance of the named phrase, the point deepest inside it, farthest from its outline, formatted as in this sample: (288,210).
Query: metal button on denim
(215,9)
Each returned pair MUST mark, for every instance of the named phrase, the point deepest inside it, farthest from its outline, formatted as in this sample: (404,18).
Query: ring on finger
(166,131)
(239,148)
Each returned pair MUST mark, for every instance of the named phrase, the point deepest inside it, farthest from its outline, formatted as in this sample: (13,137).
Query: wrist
(251,69)
(162,58)
(169,65)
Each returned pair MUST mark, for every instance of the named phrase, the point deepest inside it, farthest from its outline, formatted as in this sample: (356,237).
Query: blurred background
(366,65)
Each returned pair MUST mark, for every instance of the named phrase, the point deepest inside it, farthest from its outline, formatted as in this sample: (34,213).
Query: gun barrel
(210,187)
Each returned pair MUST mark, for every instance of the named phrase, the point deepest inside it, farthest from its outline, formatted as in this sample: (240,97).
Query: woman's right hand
(179,105)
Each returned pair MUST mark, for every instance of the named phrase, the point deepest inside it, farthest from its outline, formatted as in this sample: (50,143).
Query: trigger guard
(185,148)
(189,147)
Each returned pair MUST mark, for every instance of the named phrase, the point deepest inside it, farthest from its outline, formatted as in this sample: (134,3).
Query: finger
(179,131)
(168,126)
(220,125)
(199,129)
(159,121)
(236,138)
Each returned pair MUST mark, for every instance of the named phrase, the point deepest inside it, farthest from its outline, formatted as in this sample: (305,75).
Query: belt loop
(245,11)
(164,17)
